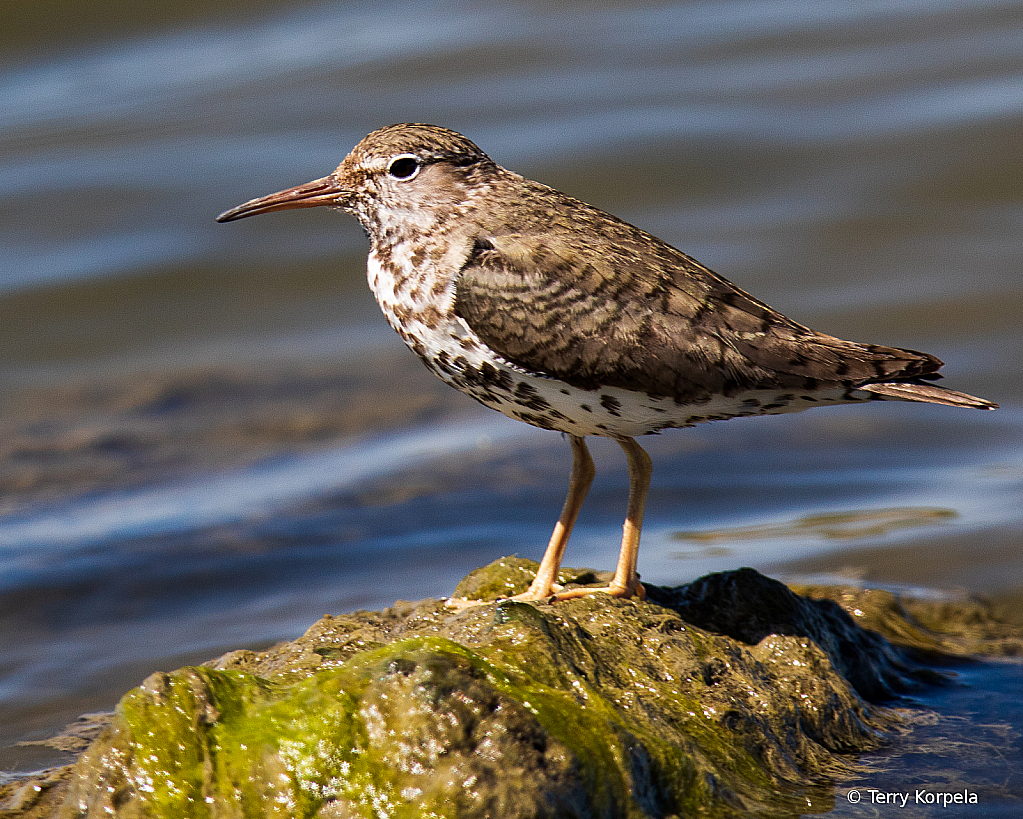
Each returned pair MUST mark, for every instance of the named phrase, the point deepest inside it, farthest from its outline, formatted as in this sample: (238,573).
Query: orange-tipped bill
(313,194)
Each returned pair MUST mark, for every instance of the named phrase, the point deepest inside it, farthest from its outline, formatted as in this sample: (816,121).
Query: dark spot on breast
(527,396)
(401,313)
(417,347)
(493,377)
(611,404)
(541,421)
(430,316)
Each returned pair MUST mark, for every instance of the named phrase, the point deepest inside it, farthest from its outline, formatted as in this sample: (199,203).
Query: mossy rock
(730,696)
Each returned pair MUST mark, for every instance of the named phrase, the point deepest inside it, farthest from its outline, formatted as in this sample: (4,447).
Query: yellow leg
(543,585)
(625,583)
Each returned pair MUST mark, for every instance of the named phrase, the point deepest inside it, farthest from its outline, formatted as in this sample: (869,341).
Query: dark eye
(404,167)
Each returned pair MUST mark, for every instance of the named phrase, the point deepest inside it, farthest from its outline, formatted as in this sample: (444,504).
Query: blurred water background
(209,437)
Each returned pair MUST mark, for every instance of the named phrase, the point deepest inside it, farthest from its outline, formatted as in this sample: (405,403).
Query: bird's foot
(614,590)
(531,595)
(554,593)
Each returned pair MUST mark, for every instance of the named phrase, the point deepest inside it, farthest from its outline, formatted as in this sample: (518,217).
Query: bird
(565,317)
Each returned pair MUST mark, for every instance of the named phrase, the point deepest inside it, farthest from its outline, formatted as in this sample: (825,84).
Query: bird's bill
(317,193)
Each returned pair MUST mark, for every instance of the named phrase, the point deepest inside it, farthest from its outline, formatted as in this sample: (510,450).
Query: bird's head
(401,174)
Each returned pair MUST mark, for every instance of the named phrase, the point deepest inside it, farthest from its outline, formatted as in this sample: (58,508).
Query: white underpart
(608,412)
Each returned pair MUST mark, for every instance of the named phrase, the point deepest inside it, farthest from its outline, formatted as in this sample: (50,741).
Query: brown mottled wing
(641,315)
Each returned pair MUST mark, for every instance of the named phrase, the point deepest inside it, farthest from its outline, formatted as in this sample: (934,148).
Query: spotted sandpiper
(565,317)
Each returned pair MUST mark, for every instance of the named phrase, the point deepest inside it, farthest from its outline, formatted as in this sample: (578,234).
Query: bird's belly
(613,412)
(452,351)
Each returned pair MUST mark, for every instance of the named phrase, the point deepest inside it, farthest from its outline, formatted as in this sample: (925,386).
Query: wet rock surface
(730,696)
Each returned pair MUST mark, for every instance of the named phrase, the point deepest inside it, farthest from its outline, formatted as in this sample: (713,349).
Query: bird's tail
(928,393)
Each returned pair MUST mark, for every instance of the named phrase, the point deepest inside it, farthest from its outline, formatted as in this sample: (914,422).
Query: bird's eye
(404,167)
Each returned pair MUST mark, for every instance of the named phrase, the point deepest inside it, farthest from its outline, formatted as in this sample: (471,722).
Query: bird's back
(635,313)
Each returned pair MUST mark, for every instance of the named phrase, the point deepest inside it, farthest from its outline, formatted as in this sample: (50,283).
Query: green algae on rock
(727,697)
(929,629)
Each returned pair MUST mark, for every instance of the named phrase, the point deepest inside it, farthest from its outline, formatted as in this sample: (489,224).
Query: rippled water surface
(210,437)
